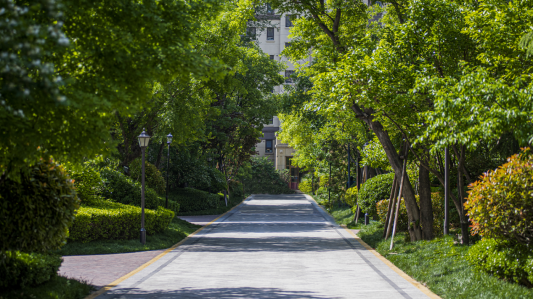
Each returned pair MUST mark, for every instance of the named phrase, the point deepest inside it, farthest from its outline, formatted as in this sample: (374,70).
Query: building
(273,40)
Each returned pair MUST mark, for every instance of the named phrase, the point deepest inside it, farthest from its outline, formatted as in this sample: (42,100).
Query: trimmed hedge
(306,186)
(503,259)
(236,190)
(36,212)
(122,189)
(115,221)
(374,190)
(27,269)
(192,200)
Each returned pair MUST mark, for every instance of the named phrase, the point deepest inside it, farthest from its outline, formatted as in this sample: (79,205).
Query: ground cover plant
(58,287)
(220,209)
(177,231)
(440,265)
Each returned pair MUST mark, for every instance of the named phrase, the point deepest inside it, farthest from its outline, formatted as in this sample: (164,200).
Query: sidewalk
(103,269)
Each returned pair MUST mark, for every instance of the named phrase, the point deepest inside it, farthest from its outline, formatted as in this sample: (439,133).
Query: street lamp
(169,140)
(144,138)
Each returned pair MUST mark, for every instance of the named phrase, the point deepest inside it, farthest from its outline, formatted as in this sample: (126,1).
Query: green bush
(115,221)
(306,186)
(89,185)
(153,177)
(503,259)
(122,189)
(236,190)
(265,179)
(500,204)
(27,269)
(36,212)
(192,200)
(351,197)
(374,190)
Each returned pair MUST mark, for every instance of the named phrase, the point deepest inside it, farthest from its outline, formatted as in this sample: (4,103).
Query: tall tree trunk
(395,162)
(425,203)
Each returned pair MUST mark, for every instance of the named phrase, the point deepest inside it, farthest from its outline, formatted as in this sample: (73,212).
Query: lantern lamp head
(169,138)
(144,138)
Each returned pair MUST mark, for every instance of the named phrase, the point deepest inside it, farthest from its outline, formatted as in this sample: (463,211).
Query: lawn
(56,288)
(440,264)
(177,230)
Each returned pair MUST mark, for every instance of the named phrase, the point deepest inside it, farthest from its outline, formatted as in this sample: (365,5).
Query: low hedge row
(27,269)
(115,221)
(192,200)
(122,189)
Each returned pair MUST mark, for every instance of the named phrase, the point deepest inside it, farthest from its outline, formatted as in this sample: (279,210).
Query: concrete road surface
(271,246)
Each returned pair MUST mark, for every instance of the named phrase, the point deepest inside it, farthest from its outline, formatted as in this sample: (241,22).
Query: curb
(401,273)
(123,278)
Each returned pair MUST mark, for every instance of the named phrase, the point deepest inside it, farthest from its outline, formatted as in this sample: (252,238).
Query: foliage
(98,72)
(374,190)
(27,269)
(122,189)
(440,265)
(153,177)
(115,221)
(36,212)
(88,183)
(265,179)
(306,186)
(351,196)
(176,231)
(500,204)
(191,200)
(57,287)
(236,190)
(503,259)
(438,212)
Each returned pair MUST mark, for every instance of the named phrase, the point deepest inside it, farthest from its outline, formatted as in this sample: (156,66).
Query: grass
(177,230)
(440,264)
(57,288)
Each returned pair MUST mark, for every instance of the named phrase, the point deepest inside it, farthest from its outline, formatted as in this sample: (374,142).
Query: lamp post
(169,140)
(446,220)
(144,138)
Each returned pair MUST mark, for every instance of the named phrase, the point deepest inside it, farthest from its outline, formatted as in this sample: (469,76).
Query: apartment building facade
(273,39)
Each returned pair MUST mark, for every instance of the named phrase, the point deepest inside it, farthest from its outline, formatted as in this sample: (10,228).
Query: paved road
(269,247)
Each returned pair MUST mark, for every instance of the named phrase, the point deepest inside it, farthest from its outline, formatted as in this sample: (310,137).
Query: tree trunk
(395,162)
(425,203)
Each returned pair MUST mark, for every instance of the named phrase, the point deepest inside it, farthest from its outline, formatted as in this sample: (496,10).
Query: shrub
(153,177)
(192,200)
(115,221)
(374,190)
(351,196)
(27,269)
(36,212)
(217,181)
(306,186)
(89,185)
(503,259)
(500,204)
(402,222)
(236,190)
(121,189)
(266,179)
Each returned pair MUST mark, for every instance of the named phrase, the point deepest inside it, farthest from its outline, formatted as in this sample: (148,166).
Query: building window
(287,45)
(270,11)
(268,146)
(288,75)
(251,32)
(271,121)
(270,33)
(271,57)
(288,21)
